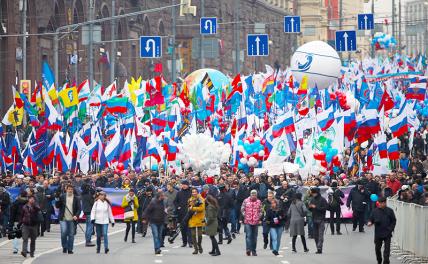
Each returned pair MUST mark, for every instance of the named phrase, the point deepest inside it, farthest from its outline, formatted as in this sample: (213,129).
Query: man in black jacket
(372,187)
(335,196)
(384,220)
(242,193)
(88,198)
(155,214)
(225,202)
(4,209)
(181,204)
(318,206)
(69,211)
(29,221)
(358,198)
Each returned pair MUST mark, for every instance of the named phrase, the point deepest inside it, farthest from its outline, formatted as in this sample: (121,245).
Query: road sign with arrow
(150,47)
(257,45)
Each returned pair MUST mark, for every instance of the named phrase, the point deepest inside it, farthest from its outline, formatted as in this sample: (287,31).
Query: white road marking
(285,262)
(30,260)
(4,242)
(158,261)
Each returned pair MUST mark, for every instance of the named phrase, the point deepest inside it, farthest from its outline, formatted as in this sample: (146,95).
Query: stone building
(45,16)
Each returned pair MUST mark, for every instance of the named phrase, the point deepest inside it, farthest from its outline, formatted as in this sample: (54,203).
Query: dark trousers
(130,225)
(303,242)
(185,234)
(358,220)
(29,232)
(335,219)
(386,251)
(319,227)
(223,229)
(214,244)
(197,237)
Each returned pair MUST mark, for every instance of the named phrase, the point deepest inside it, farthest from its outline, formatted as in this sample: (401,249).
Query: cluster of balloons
(383,41)
(341,98)
(422,108)
(120,169)
(328,159)
(201,152)
(252,151)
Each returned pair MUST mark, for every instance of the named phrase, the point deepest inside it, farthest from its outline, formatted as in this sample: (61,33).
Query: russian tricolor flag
(380,141)
(393,149)
(398,125)
(326,118)
(417,88)
(350,124)
(368,125)
(112,149)
(285,123)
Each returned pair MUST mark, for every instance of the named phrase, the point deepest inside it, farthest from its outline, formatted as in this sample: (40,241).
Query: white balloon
(252,162)
(241,148)
(319,62)
(243,160)
(261,153)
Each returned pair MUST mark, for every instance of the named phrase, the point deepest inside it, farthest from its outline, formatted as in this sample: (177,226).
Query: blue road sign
(292,24)
(257,45)
(208,25)
(365,21)
(346,40)
(150,47)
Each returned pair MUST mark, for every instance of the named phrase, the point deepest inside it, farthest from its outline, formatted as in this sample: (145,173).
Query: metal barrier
(411,231)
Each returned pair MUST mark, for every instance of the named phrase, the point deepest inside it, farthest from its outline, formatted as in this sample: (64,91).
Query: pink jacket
(252,211)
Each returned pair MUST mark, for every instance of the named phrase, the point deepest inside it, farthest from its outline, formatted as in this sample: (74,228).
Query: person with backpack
(335,202)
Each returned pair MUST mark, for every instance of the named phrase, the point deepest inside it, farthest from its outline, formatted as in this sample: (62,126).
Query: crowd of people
(192,204)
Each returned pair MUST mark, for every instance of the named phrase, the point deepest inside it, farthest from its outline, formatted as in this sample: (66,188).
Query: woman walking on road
(197,219)
(130,205)
(211,216)
(297,213)
(101,216)
(275,218)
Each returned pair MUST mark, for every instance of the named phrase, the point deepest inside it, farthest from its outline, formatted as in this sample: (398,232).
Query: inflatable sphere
(219,80)
(319,62)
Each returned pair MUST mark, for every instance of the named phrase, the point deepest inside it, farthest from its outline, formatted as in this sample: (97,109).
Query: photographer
(15,217)
(69,211)
(88,198)
(358,198)
(335,196)
(180,204)
(144,201)
(29,225)
(285,194)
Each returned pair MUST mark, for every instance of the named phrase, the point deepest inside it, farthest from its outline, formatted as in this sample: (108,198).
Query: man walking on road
(383,218)
(155,214)
(318,206)
(252,211)
(69,211)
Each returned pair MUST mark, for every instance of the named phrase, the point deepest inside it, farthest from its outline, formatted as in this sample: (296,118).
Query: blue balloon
(240,142)
(336,169)
(247,147)
(328,157)
(374,197)
(154,167)
(334,152)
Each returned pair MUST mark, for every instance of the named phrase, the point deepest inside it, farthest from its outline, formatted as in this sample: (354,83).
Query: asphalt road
(352,248)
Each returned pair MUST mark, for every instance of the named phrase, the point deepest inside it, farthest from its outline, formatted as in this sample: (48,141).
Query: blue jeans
(89,228)
(275,236)
(102,230)
(251,232)
(157,230)
(68,229)
(233,221)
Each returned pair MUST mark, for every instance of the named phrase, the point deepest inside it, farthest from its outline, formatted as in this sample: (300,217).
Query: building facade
(45,16)
(416,26)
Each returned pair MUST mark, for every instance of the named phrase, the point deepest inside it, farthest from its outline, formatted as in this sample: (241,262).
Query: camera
(14,233)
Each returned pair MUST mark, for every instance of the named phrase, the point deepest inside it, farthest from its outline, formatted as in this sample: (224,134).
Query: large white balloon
(319,62)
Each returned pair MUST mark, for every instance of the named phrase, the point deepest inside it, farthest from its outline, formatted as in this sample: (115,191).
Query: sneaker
(275,253)
(248,253)
(319,251)
(89,244)
(32,255)
(254,254)
(98,251)
(339,234)
(229,240)
(265,245)
(306,250)
(233,235)
(184,245)
(294,250)
(24,254)
(106,250)
(157,252)
(64,250)
(70,252)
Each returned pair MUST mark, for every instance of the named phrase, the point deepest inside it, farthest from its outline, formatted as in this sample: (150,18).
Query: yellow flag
(69,97)
(15,116)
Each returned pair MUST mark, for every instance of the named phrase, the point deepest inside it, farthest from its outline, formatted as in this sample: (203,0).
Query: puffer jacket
(197,206)
(252,211)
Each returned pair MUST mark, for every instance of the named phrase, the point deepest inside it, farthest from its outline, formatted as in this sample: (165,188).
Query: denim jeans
(67,234)
(89,228)
(102,230)
(15,244)
(233,221)
(275,236)
(251,232)
(157,235)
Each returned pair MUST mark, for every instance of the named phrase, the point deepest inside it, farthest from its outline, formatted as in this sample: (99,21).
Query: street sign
(208,25)
(365,21)
(292,24)
(346,40)
(257,45)
(150,47)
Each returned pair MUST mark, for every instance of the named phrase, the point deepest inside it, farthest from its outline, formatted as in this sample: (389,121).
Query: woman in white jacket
(101,216)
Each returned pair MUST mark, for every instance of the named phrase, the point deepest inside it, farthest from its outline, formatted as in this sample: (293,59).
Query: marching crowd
(191,204)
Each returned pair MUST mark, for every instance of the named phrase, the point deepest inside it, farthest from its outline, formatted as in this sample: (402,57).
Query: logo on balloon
(304,67)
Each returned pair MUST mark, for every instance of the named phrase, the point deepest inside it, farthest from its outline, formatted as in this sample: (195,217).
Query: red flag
(236,86)
(386,102)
